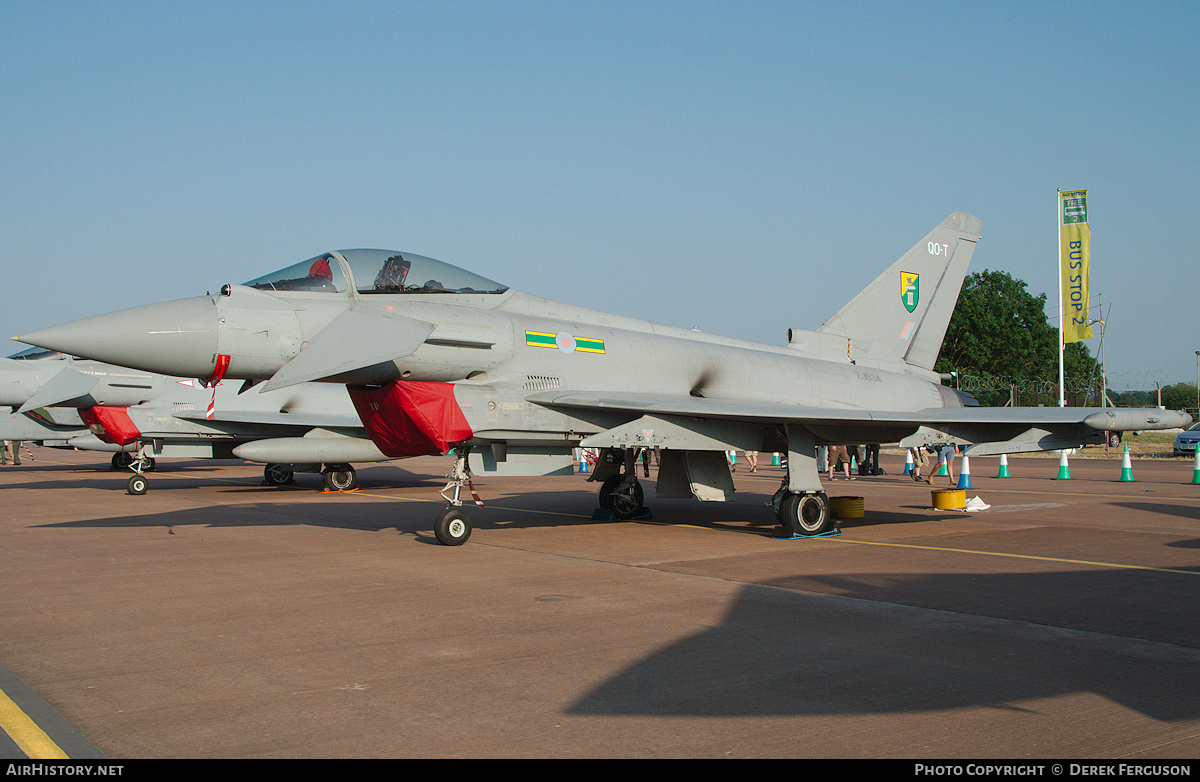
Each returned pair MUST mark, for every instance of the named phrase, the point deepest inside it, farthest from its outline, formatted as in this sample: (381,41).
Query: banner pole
(1062,389)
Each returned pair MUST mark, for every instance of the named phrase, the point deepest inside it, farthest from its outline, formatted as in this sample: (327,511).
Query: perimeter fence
(1005,390)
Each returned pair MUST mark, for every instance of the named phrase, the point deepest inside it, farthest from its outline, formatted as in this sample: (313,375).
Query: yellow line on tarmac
(1016,556)
(32,740)
(543,512)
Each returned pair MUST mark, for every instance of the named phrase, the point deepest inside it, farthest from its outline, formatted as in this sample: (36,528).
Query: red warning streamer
(222,366)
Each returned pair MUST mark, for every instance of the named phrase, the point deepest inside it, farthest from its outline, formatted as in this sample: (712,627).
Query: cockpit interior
(373,272)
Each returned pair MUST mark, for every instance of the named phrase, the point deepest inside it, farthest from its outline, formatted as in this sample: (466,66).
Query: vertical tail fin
(903,314)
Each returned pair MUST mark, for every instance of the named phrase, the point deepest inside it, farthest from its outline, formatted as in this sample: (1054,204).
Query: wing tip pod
(1128,419)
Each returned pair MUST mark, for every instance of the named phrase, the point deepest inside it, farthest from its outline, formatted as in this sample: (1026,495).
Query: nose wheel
(136,485)
(452,527)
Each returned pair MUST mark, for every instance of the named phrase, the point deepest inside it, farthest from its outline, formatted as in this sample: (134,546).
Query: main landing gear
(278,475)
(801,504)
(622,493)
(802,513)
(339,477)
(334,477)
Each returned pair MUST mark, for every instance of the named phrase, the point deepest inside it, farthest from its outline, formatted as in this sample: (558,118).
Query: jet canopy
(375,271)
(36,354)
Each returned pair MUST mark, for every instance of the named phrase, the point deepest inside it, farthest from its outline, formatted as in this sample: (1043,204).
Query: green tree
(999,333)
(1179,396)
(1133,398)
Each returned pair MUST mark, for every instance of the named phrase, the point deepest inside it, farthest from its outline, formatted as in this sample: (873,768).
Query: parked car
(1185,441)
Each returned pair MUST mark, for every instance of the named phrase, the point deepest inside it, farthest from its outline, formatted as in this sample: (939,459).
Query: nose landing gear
(139,463)
(452,527)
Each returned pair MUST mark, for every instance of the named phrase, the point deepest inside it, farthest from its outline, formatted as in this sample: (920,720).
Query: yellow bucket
(847,507)
(949,499)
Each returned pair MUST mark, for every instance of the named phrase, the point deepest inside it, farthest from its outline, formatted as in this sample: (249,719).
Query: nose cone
(172,338)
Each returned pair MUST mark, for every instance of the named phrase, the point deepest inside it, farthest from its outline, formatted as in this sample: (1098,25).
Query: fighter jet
(139,416)
(438,359)
(42,427)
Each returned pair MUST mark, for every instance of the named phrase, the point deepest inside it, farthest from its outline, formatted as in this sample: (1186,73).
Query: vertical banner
(1074,249)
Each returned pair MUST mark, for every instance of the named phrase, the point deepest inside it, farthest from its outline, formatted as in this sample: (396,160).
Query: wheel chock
(836,532)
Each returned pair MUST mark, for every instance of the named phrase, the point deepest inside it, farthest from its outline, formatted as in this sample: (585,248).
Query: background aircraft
(439,359)
(139,416)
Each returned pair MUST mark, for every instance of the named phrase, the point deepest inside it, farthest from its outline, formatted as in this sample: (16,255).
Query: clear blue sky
(742,167)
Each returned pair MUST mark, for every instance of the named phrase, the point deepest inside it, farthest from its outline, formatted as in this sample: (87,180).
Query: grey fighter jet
(438,359)
(139,416)
(53,429)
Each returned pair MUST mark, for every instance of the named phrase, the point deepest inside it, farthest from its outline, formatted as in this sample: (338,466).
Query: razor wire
(1025,385)
(1135,381)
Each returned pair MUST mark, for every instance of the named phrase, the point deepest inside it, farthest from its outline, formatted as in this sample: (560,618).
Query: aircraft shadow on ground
(193,474)
(417,502)
(1184,511)
(100,475)
(412,511)
(828,643)
(782,653)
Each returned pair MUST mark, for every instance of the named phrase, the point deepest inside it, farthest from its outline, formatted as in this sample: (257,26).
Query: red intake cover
(411,418)
(110,424)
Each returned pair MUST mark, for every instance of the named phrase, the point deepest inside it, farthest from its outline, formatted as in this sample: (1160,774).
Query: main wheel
(121,460)
(624,502)
(452,527)
(136,484)
(806,514)
(277,475)
(339,477)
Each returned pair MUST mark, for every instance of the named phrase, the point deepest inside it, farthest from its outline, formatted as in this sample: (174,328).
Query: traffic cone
(908,462)
(1126,467)
(583,465)
(1003,466)
(775,460)
(942,472)
(1064,474)
(1196,467)
(964,475)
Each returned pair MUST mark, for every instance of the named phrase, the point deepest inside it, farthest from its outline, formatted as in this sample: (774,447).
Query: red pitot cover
(411,418)
(110,424)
